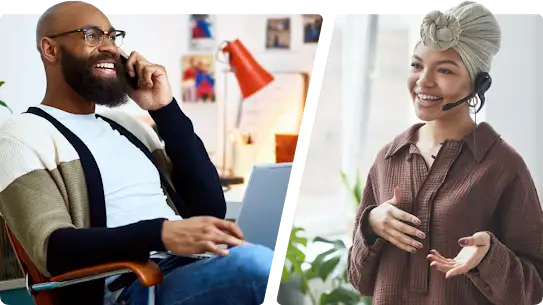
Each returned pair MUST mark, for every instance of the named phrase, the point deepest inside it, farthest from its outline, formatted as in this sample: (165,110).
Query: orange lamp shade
(250,74)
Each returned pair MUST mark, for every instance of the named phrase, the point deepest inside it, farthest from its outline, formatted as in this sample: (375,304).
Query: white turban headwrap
(468,28)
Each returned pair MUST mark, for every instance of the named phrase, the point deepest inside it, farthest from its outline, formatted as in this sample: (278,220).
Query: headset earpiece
(483,81)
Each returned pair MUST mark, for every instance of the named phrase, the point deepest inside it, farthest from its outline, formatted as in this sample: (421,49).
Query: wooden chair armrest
(148,272)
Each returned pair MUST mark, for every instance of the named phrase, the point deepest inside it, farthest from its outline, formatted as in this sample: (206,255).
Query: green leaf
(295,231)
(328,267)
(358,189)
(338,244)
(286,275)
(323,299)
(296,255)
(317,264)
(298,241)
(2,83)
(345,276)
(295,239)
(3,104)
(321,257)
(304,284)
(340,295)
(344,179)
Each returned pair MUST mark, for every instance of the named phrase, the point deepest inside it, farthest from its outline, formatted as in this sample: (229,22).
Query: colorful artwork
(312,28)
(202,36)
(198,78)
(278,33)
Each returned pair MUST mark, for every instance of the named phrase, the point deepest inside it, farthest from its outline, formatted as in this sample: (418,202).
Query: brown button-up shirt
(477,184)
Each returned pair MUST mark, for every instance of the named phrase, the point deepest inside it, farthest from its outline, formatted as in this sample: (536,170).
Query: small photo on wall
(202,35)
(198,78)
(278,33)
(312,28)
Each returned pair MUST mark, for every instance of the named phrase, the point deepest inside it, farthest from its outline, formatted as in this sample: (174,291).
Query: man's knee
(253,261)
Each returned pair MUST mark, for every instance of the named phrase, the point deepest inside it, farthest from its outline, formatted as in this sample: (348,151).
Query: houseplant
(356,189)
(329,265)
(2,103)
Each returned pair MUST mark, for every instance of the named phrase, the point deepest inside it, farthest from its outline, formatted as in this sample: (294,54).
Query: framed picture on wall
(312,28)
(278,33)
(198,78)
(202,32)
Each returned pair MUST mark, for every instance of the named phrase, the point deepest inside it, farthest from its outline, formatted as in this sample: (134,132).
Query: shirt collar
(479,141)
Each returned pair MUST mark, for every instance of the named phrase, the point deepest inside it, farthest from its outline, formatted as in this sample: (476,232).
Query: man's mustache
(104,56)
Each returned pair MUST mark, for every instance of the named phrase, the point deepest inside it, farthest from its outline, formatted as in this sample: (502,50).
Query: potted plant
(329,265)
(2,103)
(293,281)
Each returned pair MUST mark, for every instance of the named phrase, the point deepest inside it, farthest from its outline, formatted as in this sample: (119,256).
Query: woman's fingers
(404,238)
(401,245)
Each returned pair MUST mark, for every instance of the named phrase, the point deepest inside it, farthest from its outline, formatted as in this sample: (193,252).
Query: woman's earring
(473,102)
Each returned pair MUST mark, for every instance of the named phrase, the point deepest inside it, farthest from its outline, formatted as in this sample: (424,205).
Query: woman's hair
(468,28)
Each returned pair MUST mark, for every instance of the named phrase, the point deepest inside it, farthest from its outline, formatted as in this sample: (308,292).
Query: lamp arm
(240,111)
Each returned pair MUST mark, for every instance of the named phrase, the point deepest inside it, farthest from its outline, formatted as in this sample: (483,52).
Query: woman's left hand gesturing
(474,249)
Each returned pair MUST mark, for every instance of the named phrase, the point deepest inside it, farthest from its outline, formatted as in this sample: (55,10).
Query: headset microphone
(482,83)
(460,102)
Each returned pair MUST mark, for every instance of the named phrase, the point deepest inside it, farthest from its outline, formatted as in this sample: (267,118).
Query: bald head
(67,16)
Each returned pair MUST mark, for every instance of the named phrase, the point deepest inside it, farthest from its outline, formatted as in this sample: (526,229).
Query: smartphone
(132,81)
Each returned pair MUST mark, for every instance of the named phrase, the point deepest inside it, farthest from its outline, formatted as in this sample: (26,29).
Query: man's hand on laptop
(200,234)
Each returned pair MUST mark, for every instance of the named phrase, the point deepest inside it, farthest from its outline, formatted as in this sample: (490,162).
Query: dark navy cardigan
(199,192)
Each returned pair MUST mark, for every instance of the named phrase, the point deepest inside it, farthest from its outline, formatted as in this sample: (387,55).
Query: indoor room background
(362,101)
(164,36)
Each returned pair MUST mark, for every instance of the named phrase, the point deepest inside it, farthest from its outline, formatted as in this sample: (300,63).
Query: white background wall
(514,100)
(162,39)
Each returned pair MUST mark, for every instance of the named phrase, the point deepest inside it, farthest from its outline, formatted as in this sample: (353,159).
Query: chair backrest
(30,271)
(9,266)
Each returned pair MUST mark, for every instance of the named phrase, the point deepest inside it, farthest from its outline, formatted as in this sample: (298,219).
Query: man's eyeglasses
(95,36)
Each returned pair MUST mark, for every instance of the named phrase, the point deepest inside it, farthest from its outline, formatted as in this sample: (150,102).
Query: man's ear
(49,49)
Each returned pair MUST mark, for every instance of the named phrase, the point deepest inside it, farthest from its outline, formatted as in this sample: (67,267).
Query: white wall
(162,39)
(20,65)
(514,100)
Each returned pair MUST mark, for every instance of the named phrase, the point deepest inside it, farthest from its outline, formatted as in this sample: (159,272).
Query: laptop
(262,205)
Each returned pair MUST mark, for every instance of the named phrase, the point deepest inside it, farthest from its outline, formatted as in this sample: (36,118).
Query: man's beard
(80,75)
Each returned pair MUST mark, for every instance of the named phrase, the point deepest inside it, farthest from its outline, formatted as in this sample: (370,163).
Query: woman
(450,214)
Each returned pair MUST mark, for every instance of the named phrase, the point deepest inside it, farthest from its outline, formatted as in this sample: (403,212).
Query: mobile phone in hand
(132,81)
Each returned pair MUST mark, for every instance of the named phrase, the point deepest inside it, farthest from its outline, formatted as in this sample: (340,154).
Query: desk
(234,201)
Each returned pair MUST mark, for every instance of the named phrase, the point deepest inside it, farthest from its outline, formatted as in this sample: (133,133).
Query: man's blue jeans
(241,278)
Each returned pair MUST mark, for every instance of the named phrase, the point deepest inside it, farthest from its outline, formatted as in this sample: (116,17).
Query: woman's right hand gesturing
(385,221)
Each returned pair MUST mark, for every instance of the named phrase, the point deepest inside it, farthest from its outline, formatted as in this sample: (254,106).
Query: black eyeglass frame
(86,29)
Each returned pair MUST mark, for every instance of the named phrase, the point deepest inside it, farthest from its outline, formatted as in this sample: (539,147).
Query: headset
(482,84)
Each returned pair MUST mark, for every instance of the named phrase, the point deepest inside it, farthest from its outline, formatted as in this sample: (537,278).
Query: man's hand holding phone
(197,235)
(153,87)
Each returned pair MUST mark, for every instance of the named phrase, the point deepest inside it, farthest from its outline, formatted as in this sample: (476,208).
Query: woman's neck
(436,132)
